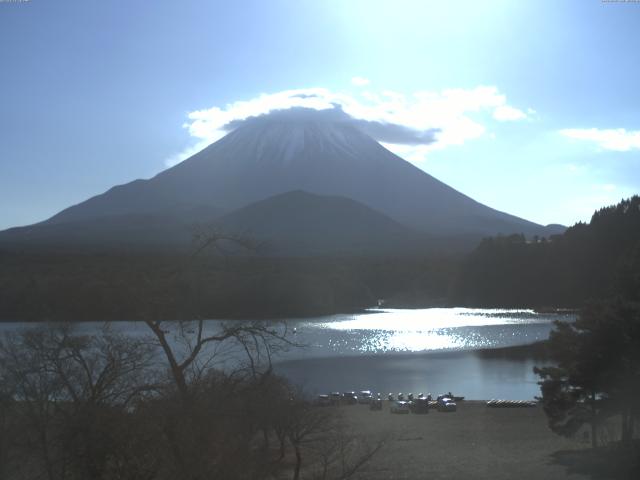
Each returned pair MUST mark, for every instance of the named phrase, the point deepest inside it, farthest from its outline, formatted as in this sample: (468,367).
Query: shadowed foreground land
(476,442)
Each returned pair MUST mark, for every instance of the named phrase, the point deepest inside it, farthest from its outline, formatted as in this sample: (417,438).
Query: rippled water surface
(423,330)
(429,350)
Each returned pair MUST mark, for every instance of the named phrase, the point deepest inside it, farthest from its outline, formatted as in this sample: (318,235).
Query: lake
(432,350)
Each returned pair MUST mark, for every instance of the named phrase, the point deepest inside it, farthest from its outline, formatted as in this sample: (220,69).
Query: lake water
(383,331)
(432,350)
(397,350)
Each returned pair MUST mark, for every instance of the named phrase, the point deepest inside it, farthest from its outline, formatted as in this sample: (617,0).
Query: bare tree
(193,347)
(249,394)
(342,454)
(333,452)
(69,391)
(196,346)
(305,424)
(103,407)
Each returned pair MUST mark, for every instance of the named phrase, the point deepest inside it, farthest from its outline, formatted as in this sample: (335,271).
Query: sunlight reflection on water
(432,349)
(430,318)
(434,329)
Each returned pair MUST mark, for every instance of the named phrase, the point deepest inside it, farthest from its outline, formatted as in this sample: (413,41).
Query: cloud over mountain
(380,130)
(411,125)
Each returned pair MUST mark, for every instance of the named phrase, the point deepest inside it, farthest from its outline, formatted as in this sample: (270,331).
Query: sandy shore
(474,442)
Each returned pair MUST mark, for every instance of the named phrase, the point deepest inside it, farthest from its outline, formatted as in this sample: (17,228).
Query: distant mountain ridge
(299,151)
(293,223)
(299,222)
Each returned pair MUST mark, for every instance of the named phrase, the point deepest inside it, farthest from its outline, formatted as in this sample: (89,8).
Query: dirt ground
(474,442)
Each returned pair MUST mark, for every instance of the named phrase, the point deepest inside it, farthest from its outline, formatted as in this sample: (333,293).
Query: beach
(473,442)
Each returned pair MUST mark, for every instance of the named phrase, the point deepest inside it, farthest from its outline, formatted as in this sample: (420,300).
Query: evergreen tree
(597,374)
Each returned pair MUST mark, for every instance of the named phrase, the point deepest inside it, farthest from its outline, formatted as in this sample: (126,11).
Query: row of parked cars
(350,398)
(420,404)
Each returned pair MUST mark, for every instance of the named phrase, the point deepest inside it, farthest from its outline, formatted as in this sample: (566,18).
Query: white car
(399,407)
(365,396)
(446,404)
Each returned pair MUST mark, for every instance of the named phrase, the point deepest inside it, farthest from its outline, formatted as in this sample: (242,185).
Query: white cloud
(360,81)
(505,113)
(618,139)
(435,119)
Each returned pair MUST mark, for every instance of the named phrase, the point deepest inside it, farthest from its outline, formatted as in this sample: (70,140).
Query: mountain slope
(300,223)
(277,154)
(294,223)
(293,150)
(171,229)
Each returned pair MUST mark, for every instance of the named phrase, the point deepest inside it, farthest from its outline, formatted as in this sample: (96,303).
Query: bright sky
(535,103)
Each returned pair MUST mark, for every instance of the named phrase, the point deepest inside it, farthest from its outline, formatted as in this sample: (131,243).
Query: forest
(595,260)
(590,260)
(89,286)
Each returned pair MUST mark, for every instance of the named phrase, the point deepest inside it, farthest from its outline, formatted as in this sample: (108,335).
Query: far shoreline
(370,310)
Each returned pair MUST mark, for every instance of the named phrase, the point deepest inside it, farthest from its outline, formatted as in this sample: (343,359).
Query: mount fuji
(315,153)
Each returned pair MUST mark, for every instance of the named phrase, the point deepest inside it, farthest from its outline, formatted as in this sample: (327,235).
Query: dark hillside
(90,286)
(301,223)
(593,260)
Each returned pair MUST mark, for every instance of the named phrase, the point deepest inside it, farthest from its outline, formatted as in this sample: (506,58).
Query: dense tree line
(110,286)
(594,260)
(594,381)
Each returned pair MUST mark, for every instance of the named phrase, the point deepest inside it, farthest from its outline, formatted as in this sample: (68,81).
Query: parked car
(390,397)
(349,398)
(446,404)
(452,396)
(399,407)
(401,397)
(420,405)
(365,396)
(335,398)
(323,400)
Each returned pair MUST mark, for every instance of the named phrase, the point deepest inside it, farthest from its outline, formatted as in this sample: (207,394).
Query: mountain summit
(300,150)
